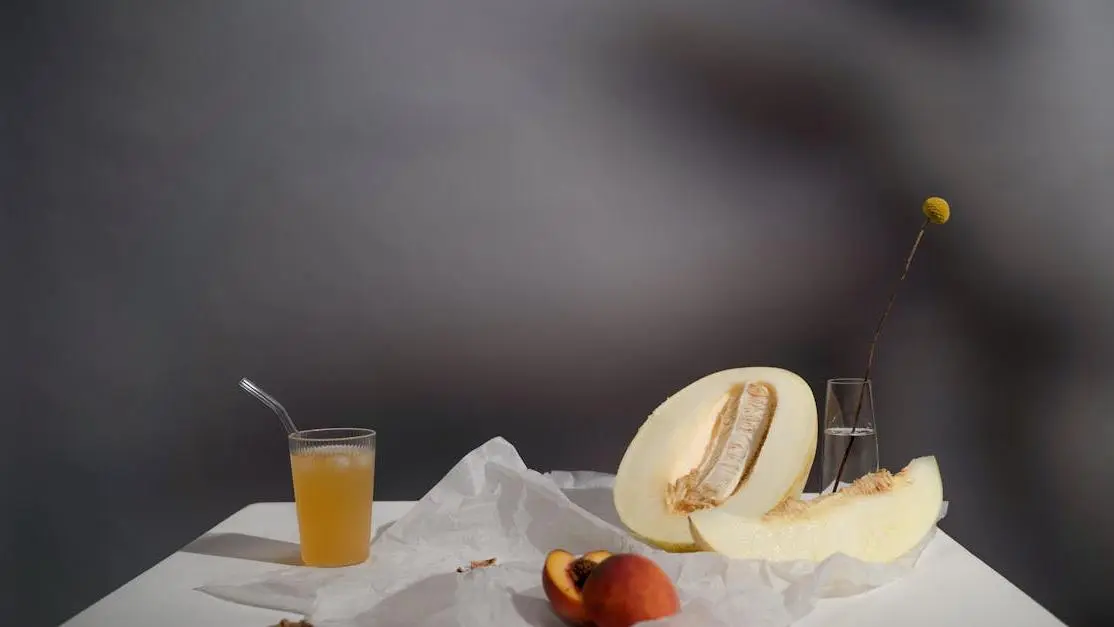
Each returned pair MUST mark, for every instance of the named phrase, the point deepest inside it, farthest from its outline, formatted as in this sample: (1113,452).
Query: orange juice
(333,492)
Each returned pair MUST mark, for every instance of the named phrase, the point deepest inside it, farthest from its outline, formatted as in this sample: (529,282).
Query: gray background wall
(455,220)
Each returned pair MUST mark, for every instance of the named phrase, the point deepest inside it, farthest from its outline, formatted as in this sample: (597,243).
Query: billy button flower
(936,211)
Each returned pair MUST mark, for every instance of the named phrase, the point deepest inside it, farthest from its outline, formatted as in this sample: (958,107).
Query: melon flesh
(739,441)
(878,518)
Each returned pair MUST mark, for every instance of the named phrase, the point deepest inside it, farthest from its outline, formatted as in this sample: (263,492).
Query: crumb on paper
(476,564)
(294,623)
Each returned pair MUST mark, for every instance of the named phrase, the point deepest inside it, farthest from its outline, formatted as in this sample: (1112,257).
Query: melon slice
(738,441)
(877,518)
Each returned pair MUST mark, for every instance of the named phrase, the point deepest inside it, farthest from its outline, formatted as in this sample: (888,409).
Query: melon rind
(780,471)
(878,518)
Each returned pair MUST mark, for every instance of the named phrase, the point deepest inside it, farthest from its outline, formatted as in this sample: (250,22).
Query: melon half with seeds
(878,518)
(739,441)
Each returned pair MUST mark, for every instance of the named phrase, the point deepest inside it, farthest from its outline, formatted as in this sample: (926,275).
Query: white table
(949,586)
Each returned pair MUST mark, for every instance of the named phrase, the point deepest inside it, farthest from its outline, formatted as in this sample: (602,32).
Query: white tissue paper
(490,505)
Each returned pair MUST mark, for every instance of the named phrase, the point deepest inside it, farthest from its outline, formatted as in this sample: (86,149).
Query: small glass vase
(842,432)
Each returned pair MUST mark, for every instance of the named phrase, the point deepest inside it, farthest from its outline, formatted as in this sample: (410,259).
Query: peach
(626,589)
(563,577)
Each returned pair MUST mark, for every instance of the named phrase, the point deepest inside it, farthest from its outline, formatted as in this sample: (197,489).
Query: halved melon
(738,441)
(878,518)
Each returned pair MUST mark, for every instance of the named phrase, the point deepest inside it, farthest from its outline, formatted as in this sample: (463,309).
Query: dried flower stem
(873,344)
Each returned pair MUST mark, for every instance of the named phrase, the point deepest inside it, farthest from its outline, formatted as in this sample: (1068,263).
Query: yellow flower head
(936,210)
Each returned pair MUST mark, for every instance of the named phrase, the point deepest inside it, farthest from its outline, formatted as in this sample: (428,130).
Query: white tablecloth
(949,586)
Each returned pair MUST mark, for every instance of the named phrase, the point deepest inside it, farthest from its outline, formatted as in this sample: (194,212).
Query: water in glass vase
(862,460)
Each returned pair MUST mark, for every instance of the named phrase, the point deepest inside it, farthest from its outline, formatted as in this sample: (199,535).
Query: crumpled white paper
(491,505)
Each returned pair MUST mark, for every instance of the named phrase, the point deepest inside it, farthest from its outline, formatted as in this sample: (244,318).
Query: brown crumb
(476,564)
(294,623)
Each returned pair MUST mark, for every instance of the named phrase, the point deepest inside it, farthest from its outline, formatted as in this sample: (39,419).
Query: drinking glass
(841,431)
(334,486)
